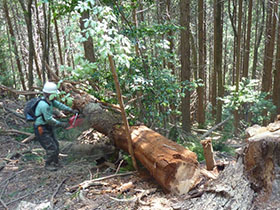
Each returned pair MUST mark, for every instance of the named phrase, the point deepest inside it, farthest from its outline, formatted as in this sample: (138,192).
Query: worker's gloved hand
(64,124)
(75,111)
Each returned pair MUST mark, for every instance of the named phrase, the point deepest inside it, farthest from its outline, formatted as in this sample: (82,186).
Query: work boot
(51,167)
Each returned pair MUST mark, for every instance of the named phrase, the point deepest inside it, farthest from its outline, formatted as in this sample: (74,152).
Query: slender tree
(218,40)
(258,35)
(170,38)
(28,20)
(276,75)
(248,40)
(13,39)
(272,7)
(201,74)
(269,48)
(238,61)
(185,61)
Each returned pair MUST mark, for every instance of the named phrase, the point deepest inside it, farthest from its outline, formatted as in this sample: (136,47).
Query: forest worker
(45,123)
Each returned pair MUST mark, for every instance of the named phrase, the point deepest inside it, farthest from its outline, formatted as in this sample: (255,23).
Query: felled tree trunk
(175,168)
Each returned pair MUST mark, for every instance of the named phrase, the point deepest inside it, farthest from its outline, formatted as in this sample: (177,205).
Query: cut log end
(186,177)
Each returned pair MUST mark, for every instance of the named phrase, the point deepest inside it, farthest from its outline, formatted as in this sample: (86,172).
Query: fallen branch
(28,139)
(89,183)
(12,131)
(3,204)
(24,196)
(124,200)
(55,192)
(9,178)
(145,193)
(18,92)
(13,112)
(20,143)
(137,197)
(214,128)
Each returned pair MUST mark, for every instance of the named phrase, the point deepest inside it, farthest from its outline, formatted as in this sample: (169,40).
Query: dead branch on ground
(18,92)
(55,192)
(89,183)
(13,131)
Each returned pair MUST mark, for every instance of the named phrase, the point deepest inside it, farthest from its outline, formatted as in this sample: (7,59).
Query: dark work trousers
(45,135)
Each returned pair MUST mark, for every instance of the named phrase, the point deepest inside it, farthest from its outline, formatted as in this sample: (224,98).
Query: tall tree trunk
(185,61)
(225,64)
(201,74)
(39,33)
(28,20)
(11,59)
(170,38)
(232,18)
(239,31)
(276,79)
(269,47)
(248,39)
(54,56)
(218,44)
(258,37)
(13,39)
(135,22)
(88,44)
(193,62)
(46,42)
(58,43)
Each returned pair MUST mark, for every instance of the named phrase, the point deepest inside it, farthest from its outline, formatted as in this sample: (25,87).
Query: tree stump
(208,153)
(262,162)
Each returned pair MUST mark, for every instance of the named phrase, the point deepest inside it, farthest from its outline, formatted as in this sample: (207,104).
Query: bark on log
(175,168)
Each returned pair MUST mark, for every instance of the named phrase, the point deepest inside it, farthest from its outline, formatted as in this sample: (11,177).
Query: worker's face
(50,96)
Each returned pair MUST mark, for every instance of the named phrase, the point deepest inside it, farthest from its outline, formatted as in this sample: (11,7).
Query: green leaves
(247,96)
(102,27)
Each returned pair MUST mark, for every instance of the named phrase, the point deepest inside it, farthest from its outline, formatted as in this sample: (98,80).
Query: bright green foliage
(102,27)
(249,101)
(158,86)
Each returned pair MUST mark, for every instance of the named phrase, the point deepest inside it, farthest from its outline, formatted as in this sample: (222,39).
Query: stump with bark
(262,162)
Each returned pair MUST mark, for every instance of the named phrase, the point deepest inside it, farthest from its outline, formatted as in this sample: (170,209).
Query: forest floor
(25,184)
